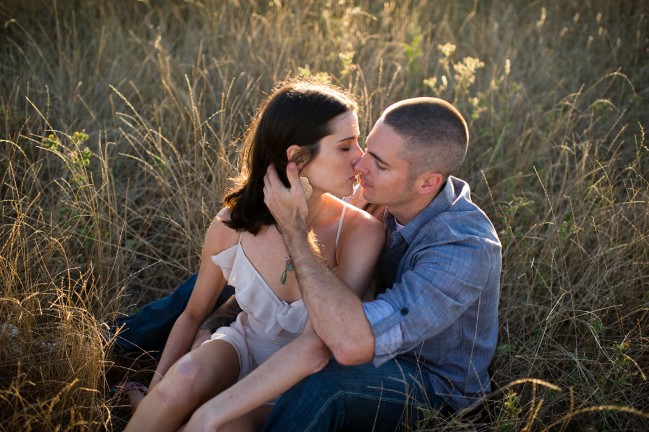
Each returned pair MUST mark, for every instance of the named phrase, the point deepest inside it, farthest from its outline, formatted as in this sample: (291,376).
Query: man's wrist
(293,230)
(297,237)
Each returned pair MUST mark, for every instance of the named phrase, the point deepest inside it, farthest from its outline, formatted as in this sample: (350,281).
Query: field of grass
(119,126)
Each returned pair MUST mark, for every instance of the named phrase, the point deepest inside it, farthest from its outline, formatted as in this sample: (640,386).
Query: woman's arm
(360,245)
(300,358)
(209,283)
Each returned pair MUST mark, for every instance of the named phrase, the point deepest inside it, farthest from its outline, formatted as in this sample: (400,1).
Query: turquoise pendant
(287,268)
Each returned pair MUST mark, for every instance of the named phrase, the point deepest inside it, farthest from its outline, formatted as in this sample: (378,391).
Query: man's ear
(429,182)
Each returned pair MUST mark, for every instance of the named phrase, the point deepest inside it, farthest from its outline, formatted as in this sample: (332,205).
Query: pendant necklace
(288,262)
(288,267)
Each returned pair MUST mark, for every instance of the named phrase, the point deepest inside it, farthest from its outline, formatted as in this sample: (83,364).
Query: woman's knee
(182,382)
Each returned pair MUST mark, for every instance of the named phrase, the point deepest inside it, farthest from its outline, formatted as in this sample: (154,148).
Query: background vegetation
(119,125)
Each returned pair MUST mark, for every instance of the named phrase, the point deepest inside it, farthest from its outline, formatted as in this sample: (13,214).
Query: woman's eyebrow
(348,138)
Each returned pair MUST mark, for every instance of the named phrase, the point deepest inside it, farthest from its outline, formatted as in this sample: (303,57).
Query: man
(429,336)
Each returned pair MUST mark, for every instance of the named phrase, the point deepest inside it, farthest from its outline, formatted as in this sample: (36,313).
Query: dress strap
(340,225)
(240,237)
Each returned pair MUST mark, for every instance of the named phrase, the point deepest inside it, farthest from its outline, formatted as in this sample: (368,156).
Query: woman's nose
(357,153)
(359,165)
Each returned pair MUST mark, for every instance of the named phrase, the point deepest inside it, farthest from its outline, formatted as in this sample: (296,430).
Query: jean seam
(324,405)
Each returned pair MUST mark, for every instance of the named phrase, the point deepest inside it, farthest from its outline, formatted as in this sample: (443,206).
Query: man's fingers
(276,195)
(293,176)
(271,182)
(286,205)
(271,178)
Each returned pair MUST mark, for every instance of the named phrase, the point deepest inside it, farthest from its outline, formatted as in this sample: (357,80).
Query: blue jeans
(356,398)
(148,328)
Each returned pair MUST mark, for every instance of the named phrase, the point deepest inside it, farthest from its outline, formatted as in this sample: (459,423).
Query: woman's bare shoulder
(219,236)
(223,214)
(361,240)
(357,218)
(361,220)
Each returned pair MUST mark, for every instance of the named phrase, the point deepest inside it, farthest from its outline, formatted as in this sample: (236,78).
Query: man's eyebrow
(378,158)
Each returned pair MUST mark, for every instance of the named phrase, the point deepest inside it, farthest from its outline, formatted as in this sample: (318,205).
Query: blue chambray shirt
(443,305)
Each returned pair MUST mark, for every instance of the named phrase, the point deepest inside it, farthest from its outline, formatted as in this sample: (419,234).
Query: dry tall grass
(119,124)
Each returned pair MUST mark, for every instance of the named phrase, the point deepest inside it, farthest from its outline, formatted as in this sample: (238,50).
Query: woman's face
(332,170)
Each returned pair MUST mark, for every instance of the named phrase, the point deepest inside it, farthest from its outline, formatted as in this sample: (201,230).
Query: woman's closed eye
(347,144)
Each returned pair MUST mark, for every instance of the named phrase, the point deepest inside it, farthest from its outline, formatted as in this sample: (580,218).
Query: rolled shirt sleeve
(384,320)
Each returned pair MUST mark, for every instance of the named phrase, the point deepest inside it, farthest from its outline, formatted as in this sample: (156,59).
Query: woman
(315,126)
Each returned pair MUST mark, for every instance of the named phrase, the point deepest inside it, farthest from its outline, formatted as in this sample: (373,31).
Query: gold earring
(306,187)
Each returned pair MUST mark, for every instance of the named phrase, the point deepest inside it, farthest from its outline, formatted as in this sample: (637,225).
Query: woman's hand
(202,421)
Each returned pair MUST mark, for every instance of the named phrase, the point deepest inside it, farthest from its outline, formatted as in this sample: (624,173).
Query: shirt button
(404,311)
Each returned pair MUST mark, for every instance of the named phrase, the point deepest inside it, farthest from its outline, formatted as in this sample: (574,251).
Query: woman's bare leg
(192,380)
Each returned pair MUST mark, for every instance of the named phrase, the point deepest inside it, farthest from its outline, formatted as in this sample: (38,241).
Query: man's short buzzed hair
(435,133)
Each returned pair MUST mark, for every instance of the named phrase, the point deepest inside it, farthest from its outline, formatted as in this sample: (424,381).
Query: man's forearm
(334,310)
